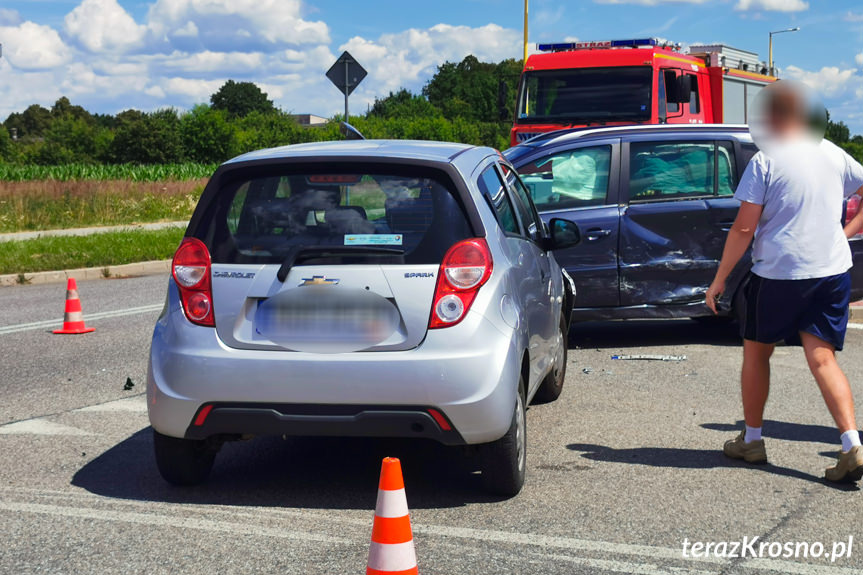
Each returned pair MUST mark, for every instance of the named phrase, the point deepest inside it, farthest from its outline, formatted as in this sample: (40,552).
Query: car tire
(183,461)
(552,386)
(504,461)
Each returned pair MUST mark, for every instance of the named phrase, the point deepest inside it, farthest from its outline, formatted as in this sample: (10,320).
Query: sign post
(346,74)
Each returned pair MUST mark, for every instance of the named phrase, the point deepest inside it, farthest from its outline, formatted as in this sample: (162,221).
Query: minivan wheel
(504,461)
(184,461)
(552,385)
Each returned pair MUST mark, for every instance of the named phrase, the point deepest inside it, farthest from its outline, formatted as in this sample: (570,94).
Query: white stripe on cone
(392,503)
(392,556)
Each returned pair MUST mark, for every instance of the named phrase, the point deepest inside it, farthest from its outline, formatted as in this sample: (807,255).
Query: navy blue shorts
(778,310)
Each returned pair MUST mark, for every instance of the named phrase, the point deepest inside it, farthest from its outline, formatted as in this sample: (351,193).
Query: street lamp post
(770,48)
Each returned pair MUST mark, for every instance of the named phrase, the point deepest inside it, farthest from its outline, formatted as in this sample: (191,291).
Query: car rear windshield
(261,215)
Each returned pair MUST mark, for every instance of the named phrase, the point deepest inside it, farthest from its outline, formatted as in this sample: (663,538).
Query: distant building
(309,119)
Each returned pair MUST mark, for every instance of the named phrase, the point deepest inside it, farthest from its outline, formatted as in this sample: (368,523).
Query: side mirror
(684,88)
(564,234)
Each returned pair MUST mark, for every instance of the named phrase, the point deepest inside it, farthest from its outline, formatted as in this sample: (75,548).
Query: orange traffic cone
(73,319)
(392,548)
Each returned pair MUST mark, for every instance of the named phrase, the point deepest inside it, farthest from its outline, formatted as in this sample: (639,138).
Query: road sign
(346,74)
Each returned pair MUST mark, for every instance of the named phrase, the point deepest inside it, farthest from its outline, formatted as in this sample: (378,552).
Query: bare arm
(739,237)
(855,226)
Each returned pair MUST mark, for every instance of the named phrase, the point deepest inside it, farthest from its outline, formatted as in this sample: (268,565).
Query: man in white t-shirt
(791,203)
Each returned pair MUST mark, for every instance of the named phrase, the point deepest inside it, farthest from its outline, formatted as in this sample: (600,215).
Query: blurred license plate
(326,319)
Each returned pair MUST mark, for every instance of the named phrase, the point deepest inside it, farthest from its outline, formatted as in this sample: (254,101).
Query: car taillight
(191,271)
(464,269)
(852,207)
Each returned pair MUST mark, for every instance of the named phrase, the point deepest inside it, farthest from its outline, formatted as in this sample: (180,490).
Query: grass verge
(97,250)
(51,204)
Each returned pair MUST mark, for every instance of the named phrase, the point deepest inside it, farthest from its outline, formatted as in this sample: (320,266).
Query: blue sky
(110,55)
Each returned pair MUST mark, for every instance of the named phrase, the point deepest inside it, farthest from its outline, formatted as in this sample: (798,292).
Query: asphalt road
(622,469)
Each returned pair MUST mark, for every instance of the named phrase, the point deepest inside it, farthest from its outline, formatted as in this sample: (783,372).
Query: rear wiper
(297,254)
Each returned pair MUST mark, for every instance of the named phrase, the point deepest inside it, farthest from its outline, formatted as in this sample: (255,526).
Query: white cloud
(859,59)
(31,46)
(852,17)
(829,81)
(772,5)
(222,25)
(221,62)
(103,26)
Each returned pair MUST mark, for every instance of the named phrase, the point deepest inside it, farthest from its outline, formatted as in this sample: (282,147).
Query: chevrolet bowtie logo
(319,281)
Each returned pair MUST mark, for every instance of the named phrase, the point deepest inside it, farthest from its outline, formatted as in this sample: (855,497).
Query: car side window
(726,169)
(524,206)
(494,192)
(670,170)
(576,178)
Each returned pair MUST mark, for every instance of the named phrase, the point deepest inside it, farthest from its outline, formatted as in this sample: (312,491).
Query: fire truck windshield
(586,95)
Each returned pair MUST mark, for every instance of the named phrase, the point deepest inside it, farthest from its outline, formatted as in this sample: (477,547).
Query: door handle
(594,234)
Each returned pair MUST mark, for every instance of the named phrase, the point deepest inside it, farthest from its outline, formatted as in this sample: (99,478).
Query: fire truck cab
(641,81)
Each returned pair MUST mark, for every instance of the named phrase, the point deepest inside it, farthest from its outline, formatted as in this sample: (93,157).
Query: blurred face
(786,113)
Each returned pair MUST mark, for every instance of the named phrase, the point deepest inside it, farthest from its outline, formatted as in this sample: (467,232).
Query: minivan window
(669,170)
(494,192)
(529,218)
(726,169)
(259,217)
(575,178)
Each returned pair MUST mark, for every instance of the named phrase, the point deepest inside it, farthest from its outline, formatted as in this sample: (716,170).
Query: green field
(97,250)
(106,172)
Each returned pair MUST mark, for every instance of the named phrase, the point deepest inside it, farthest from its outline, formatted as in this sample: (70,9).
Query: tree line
(459,103)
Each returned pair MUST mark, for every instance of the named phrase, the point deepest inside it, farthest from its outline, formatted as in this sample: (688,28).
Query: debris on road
(129,384)
(649,357)
(587,370)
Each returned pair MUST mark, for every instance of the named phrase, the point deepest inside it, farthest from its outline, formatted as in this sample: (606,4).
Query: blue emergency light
(566,46)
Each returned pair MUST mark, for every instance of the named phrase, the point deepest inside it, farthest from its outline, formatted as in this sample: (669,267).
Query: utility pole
(525,31)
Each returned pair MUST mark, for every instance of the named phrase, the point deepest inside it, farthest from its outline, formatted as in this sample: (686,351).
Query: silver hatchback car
(361,288)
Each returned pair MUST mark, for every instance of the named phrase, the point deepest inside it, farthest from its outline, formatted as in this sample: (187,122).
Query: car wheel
(505,460)
(183,461)
(552,385)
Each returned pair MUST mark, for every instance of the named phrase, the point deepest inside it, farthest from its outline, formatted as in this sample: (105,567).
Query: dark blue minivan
(654,204)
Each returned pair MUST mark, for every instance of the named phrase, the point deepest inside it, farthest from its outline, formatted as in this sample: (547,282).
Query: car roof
(573,135)
(445,152)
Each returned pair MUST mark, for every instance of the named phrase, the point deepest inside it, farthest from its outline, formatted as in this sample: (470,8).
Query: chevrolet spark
(361,289)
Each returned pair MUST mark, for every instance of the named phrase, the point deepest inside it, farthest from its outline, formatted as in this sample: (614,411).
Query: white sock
(752,434)
(850,438)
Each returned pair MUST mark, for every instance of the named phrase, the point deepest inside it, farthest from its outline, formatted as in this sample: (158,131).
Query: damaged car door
(678,209)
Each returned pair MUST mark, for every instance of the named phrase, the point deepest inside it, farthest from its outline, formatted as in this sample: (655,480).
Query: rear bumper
(322,420)
(469,373)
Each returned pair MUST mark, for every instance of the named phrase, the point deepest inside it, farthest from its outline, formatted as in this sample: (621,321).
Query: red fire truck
(642,81)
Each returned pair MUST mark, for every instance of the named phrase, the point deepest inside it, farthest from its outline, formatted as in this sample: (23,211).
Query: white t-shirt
(802,186)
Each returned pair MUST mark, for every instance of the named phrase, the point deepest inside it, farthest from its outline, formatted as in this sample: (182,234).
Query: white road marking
(693,566)
(624,566)
(137,404)
(159,520)
(855,326)
(40,426)
(57,323)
